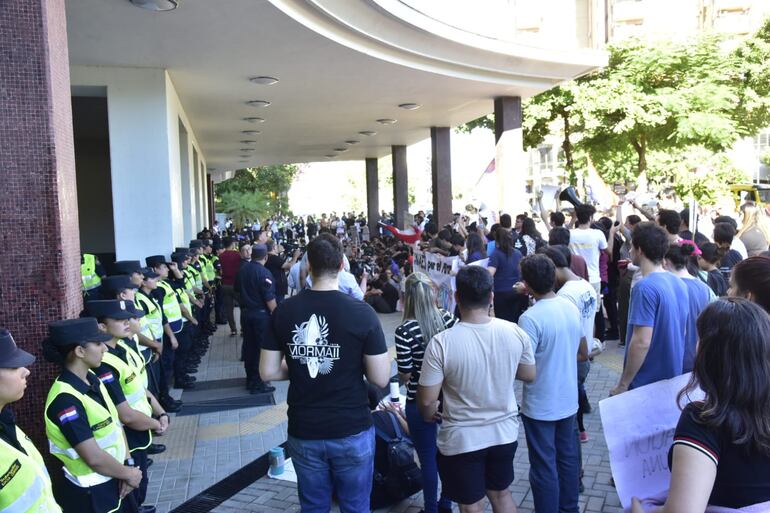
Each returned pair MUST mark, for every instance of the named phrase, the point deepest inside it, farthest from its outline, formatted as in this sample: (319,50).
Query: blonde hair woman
(755,232)
(422,320)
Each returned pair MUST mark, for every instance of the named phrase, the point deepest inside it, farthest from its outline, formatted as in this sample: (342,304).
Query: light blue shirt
(555,329)
(346,283)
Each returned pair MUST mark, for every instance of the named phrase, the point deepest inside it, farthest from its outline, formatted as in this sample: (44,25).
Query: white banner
(441,270)
(639,429)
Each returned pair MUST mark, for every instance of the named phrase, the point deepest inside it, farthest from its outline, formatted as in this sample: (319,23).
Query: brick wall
(39,241)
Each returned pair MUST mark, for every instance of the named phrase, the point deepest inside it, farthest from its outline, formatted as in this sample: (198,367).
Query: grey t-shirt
(555,329)
(476,365)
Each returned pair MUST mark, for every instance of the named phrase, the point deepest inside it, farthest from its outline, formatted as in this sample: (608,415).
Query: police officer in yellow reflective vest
(121,372)
(147,300)
(24,483)
(167,298)
(82,423)
(91,273)
(205,267)
(186,359)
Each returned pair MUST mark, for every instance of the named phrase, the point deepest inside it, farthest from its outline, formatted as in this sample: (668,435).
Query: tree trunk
(566,145)
(640,145)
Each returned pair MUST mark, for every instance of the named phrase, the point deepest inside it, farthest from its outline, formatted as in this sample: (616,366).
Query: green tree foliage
(661,109)
(256,192)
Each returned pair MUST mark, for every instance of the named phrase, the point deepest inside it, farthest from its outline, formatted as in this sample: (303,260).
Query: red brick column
(39,239)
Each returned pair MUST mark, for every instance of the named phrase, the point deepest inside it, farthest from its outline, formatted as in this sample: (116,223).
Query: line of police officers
(143,330)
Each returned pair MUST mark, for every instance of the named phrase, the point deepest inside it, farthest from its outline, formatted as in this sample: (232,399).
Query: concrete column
(144,158)
(210,195)
(400,185)
(372,196)
(441,175)
(188,184)
(39,211)
(511,161)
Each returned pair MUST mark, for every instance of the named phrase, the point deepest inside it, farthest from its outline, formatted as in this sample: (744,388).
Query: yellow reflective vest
(25,486)
(88,275)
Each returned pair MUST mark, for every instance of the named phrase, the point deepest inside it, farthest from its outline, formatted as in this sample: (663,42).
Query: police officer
(121,374)
(256,291)
(124,287)
(186,359)
(82,423)
(146,299)
(91,274)
(130,268)
(219,299)
(26,486)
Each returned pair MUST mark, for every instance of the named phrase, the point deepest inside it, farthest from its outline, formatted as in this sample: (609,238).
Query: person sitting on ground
(721,450)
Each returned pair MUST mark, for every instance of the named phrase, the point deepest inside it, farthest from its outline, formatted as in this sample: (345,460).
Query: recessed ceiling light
(248,141)
(341,150)
(243,160)
(254,120)
(387,121)
(367,133)
(258,103)
(264,80)
(410,106)
(156,5)
(352,142)
(330,156)
(248,149)
(250,132)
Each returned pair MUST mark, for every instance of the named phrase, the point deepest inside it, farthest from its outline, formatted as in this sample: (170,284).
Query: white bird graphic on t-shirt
(312,338)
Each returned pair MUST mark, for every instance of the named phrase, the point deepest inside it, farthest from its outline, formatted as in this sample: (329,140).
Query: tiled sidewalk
(273,496)
(204,449)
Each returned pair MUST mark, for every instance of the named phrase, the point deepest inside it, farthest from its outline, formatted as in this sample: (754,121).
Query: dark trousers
(140,460)
(219,305)
(254,327)
(554,464)
(228,297)
(167,364)
(624,299)
(182,352)
(611,306)
(509,305)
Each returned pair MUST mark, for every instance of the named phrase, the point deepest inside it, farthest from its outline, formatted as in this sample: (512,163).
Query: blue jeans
(423,435)
(342,465)
(554,471)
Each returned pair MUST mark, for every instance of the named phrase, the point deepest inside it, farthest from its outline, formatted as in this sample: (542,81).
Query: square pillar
(441,175)
(372,196)
(210,196)
(39,211)
(400,185)
(510,158)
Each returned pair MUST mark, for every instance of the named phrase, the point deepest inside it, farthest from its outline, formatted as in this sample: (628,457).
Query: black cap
(196,243)
(155,260)
(112,308)
(127,267)
(148,273)
(216,245)
(117,284)
(133,310)
(179,257)
(180,250)
(11,357)
(258,251)
(76,331)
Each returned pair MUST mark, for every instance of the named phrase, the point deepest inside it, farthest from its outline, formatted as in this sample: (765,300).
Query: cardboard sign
(639,428)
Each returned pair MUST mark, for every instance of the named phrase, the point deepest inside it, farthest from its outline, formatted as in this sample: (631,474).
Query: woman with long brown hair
(721,450)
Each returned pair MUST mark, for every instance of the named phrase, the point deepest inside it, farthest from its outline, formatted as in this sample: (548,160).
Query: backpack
(398,477)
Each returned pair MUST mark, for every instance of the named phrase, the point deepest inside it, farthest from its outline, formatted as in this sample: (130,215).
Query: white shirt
(346,283)
(581,294)
(740,247)
(589,244)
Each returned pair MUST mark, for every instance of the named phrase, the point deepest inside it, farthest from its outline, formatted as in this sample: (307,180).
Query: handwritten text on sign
(639,428)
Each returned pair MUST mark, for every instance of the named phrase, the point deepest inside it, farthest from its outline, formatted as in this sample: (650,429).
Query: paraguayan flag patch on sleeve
(68,415)
(107,377)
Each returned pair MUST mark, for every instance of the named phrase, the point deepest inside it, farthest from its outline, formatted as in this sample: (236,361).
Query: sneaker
(583,437)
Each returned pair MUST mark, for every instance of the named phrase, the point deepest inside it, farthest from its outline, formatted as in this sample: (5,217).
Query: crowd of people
(530,308)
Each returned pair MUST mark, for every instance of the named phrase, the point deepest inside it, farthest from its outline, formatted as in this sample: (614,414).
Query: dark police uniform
(255,288)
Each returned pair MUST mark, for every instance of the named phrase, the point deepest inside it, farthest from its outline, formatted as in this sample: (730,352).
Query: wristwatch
(130,462)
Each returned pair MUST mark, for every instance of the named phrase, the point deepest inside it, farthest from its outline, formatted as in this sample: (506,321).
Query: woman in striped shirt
(721,450)
(422,320)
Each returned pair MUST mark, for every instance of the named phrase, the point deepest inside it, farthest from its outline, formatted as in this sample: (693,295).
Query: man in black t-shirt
(330,341)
